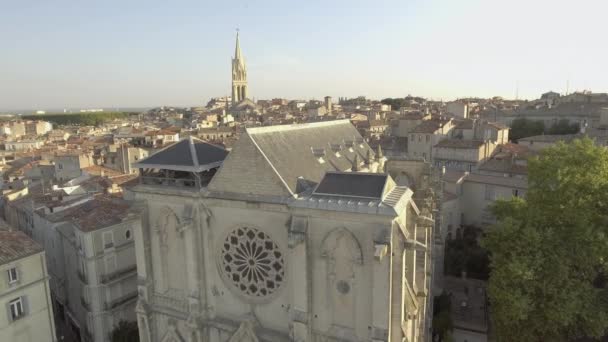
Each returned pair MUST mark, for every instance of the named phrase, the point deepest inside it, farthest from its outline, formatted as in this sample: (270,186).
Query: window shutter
(9,317)
(26,305)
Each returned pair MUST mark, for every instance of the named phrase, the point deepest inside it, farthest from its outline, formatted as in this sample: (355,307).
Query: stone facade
(258,255)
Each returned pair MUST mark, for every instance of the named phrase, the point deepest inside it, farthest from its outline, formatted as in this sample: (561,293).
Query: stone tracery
(252,262)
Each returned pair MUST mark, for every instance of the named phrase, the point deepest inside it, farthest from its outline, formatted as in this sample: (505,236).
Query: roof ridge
(269,162)
(193,152)
(282,128)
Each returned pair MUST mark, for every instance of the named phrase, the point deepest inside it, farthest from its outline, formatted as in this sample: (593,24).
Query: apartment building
(98,288)
(426,135)
(24,290)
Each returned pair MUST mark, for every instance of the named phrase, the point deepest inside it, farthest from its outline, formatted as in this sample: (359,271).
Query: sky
(127,53)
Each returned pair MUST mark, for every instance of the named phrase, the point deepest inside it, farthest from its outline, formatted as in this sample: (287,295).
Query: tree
(463,254)
(564,127)
(395,103)
(86,119)
(523,128)
(125,332)
(549,252)
(442,320)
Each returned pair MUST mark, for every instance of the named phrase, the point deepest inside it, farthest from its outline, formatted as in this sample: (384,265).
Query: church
(240,104)
(300,233)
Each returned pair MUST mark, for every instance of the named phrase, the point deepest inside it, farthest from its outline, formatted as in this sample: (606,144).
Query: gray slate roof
(189,154)
(15,245)
(349,184)
(294,150)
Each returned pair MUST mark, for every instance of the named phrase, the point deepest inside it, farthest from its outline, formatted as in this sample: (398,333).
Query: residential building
(34,128)
(458,109)
(123,157)
(216,134)
(402,126)
(99,279)
(477,192)
(69,164)
(160,138)
(23,145)
(465,155)
(57,135)
(541,142)
(426,135)
(471,144)
(377,128)
(24,290)
(333,248)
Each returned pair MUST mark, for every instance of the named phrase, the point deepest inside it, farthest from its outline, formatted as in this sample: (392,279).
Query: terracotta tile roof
(96,170)
(459,143)
(16,245)
(430,126)
(99,212)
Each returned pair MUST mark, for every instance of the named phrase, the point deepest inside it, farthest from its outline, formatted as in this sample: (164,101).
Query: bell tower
(239,74)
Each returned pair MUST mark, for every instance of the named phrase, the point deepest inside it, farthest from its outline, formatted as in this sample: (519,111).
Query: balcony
(120,274)
(121,300)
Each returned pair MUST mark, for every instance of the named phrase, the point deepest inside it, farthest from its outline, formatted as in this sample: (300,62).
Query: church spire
(237,49)
(239,74)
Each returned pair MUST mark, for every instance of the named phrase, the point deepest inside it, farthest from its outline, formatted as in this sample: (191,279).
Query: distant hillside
(84,119)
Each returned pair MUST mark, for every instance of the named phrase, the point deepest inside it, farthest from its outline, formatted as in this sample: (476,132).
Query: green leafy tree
(125,332)
(564,127)
(85,119)
(549,252)
(395,103)
(463,254)
(442,320)
(523,128)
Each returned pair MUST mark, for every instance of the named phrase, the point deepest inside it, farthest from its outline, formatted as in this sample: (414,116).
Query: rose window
(252,262)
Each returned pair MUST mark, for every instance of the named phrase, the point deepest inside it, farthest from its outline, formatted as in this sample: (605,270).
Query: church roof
(352,184)
(293,150)
(281,154)
(190,154)
(246,103)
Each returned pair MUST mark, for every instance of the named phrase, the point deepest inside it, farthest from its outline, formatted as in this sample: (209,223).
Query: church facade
(300,233)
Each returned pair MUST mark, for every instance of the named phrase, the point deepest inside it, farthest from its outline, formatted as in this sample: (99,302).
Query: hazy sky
(60,53)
